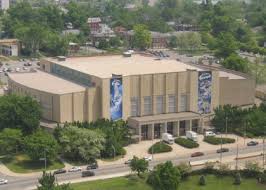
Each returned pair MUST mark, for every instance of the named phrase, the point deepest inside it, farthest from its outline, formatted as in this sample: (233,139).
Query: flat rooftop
(137,64)
(105,66)
(46,82)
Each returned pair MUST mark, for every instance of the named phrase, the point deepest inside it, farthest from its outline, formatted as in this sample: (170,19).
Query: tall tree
(80,144)
(164,177)
(48,182)
(10,140)
(139,165)
(41,144)
(19,112)
(142,37)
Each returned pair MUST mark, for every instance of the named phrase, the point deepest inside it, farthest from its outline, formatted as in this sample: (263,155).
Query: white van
(192,135)
(168,138)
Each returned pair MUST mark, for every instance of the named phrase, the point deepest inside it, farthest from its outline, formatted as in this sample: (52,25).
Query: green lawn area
(213,183)
(21,163)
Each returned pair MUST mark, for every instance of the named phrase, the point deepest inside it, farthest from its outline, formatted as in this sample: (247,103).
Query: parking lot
(141,149)
(23,65)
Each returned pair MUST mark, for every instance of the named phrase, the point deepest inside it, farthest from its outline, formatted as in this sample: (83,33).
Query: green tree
(237,63)
(164,177)
(80,144)
(202,180)
(173,42)
(10,140)
(142,37)
(48,182)
(226,45)
(237,179)
(19,112)
(41,144)
(139,165)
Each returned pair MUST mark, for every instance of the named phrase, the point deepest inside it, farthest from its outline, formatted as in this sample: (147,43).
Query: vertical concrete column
(164,127)
(151,131)
(139,129)
(190,124)
(178,128)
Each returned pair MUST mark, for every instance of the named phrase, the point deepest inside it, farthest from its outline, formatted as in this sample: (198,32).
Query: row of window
(160,105)
(71,74)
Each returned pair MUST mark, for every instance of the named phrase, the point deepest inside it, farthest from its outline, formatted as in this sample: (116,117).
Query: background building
(155,96)
(9,47)
(4,4)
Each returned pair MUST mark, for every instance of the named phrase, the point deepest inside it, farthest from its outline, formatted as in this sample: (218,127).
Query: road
(26,183)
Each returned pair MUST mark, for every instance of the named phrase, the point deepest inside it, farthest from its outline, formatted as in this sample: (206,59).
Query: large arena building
(153,95)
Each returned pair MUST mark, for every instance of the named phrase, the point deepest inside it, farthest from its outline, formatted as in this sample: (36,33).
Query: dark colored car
(252,143)
(60,171)
(87,173)
(196,154)
(92,166)
(128,161)
(222,150)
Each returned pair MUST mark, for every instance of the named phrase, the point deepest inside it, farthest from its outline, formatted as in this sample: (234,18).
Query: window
(183,103)
(147,105)
(159,105)
(134,106)
(171,104)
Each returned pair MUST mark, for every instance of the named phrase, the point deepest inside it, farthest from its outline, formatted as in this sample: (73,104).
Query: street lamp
(263,151)
(237,151)
(114,151)
(226,118)
(221,151)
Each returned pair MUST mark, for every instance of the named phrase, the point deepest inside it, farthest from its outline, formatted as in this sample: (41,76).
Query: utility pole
(226,118)
(221,151)
(45,160)
(237,152)
(263,153)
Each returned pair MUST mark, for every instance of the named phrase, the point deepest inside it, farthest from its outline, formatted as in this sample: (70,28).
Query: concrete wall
(237,91)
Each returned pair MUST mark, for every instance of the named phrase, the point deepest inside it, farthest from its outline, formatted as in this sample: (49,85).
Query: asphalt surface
(25,183)
(16,64)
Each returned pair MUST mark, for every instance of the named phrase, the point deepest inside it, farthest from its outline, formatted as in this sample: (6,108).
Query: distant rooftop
(46,82)
(94,19)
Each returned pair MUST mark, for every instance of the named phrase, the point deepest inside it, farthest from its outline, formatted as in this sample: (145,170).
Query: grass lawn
(21,163)
(213,183)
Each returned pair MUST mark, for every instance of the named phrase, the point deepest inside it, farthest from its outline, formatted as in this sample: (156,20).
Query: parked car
(92,166)
(128,161)
(148,158)
(197,154)
(210,134)
(60,171)
(75,169)
(87,173)
(222,150)
(17,69)
(3,181)
(252,143)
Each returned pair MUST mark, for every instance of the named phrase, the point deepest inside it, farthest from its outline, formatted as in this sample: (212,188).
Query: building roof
(105,66)
(46,82)
(137,64)
(94,20)
(5,41)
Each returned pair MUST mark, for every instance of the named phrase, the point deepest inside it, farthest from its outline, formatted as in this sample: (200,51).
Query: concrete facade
(154,102)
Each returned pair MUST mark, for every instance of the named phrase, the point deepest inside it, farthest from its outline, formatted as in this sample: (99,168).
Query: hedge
(160,147)
(187,143)
(218,140)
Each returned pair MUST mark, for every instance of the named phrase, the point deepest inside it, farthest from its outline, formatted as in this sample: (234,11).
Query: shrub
(202,180)
(160,147)
(187,143)
(262,177)
(218,140)
(237,179)
(184,169)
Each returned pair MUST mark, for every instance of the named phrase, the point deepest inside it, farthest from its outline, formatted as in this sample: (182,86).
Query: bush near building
(218,140)
(187,143)
(160,147)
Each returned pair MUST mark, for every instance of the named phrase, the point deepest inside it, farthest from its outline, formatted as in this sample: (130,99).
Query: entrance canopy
(170,117)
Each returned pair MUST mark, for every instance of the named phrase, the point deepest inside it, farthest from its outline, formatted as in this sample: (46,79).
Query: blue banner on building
(116,98)
(204,92)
